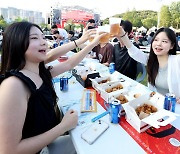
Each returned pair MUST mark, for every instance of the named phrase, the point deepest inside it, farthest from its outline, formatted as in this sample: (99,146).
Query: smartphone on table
(94,131)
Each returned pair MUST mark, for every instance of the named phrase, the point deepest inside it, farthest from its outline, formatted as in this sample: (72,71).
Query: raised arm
(124,37)
(76,58)
(133,51)
(55,53)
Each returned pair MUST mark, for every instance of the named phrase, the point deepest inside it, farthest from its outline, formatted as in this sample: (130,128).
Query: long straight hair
(153,64)
(15,44)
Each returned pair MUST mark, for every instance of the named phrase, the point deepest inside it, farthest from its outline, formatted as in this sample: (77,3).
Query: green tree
(165,17)
(149,22)
(129,16)
(138,17)
(137,22)
(3,23)
(43,25)
(105,21)
(175,14)
(18,19)
(70,25)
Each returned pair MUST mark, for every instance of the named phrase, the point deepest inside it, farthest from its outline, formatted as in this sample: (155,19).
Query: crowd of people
(30,118)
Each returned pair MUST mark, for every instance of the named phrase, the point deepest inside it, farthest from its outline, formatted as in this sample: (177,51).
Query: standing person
(163,65)
(123,62)
(104,53)
(62,32)
(30,117)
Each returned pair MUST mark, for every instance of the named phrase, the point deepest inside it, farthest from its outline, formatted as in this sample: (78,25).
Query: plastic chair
(140,69)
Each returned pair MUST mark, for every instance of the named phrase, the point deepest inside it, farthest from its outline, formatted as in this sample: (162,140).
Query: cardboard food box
(108,90)
(153,119)
(123,97)
(131,93)
(98,82)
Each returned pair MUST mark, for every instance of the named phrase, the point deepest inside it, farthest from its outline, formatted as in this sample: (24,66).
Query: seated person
(62,32)
(149,38)
(104,53)
(57,37)
(71,36)
(123,62)
(143,40)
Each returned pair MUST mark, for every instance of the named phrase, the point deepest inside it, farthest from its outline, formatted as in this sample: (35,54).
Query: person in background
(143,40)
(71,37)
(57,37)
(30,117)
(123,62)
(91,23)
(149,38)
(163,65)
(178,41)
(62,32)
(104,53)
(80,34)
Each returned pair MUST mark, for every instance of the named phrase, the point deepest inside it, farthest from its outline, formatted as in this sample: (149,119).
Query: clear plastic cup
(114,26)
(101,29)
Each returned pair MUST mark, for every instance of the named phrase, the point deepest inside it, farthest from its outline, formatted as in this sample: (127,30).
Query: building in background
(10,14)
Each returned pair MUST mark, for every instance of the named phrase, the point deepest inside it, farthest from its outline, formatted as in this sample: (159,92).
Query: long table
(110,141)
(115,140)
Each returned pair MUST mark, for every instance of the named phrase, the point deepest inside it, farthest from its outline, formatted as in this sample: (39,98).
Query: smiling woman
(27,92)
(163,64)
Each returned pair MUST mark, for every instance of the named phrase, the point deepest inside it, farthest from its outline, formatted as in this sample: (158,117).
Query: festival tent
(152,29)
(172,28)
(142,29)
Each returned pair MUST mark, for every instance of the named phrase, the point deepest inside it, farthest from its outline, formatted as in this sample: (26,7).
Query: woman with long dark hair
(163,65)
(29,116)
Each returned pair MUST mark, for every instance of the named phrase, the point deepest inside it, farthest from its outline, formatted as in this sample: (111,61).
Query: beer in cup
(91,38)
(114,26)
(102,29)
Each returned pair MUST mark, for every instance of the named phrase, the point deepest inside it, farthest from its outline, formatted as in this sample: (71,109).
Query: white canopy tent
(173,29)
(142,29)
(152,29)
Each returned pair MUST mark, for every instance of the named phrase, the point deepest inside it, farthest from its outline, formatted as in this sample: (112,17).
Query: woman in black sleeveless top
(29,116)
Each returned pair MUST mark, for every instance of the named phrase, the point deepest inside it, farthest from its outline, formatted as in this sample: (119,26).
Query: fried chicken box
(147,111)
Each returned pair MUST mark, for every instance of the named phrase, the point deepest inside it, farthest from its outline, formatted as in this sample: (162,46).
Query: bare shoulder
(12,81)
(13,86)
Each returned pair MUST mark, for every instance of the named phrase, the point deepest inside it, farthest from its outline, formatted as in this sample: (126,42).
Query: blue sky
(105,7)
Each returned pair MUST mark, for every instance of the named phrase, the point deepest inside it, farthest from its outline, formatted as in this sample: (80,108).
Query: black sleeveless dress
(40,116)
